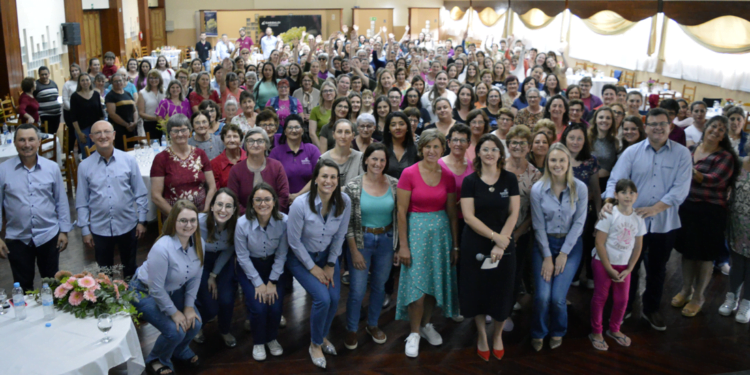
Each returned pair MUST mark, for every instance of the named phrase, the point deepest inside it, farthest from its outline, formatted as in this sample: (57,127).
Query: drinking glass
(3,298)
(105,324)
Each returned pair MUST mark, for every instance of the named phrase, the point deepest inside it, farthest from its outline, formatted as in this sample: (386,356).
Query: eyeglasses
(228,206)
(328,91)
(253,142)
(294,128)
(487,150)
(657,124)
(262,200)
(518,144)
(458,141)
(186,221)
(366,126)
(532,97)
(180,131)
(618,113)
(104,132)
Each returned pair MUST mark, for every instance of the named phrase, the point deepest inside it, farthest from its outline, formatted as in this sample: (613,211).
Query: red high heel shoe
(498,353)
(485,355)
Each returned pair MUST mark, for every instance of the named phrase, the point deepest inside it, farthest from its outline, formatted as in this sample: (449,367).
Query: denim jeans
(82,143)
(549,299)
(207,65)
(378,254)
(171,342)
(226,283)
(325,299)
(264,318)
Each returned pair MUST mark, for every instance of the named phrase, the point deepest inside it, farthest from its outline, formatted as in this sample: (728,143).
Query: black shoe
(656,320)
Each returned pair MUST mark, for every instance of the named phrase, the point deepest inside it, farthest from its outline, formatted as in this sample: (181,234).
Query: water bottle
(155,146)
(6,134)
(19,303)
(48,302)
(164,141)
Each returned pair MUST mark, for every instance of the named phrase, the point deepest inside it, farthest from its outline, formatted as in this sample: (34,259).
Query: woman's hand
(403,256)
(501,241)
(622,275)
(271,294)
(190,317)
(562,258)
(292,197)
(547,269)
(320,275)
(82,136)
(179,320)
(260,293)
(212,287)
(496,254)
(329,271)
(358,260)
(614,275)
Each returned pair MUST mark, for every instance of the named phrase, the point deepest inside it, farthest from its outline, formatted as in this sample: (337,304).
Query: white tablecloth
(173,56)
(145,166)
(69,346)
(596,83)
(9,152)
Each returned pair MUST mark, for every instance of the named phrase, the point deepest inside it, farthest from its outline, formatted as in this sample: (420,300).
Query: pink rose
(61,291)
(75,298)
(87,282)
(89,295)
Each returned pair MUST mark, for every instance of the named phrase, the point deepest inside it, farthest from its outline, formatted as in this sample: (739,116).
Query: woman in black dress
(490,203)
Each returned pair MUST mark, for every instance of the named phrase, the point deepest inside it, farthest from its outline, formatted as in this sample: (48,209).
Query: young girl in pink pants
(619,237)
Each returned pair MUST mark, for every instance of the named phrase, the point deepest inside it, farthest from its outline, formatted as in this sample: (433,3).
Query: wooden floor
(706,344)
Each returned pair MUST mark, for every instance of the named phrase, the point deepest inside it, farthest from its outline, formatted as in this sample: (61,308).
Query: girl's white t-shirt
(621,233)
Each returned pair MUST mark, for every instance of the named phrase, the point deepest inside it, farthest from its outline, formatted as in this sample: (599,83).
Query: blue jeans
(378,254)
(171,342)
(264,318)
(549,300)
(325,299)
(226,283)
(82,143)
(207,65)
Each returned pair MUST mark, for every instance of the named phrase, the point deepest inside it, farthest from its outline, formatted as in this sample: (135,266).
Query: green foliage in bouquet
(292,34)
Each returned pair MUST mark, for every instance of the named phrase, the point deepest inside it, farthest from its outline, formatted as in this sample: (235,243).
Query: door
(92,34)
(158,28)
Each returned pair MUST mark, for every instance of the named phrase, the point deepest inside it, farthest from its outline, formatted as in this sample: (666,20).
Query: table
(8,152)
(144,164)
(69,346)
(597,84)
(173,56)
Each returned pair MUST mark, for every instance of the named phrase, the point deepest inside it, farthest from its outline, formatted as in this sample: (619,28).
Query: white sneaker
(517,307)
(743,313)
(275,348)
(282,323)
(729,305)
(590,283)
(412,345)
(429,333)
(259,352)
(458,318)
(508,325)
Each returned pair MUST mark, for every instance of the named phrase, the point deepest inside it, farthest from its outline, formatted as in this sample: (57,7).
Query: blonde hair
(570,179)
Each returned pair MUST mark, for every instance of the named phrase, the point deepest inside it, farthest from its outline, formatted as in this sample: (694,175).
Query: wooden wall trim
(11,65)
(74,13)
(633,11)
(550,8)
(113,31)
(691,13)
(144,22)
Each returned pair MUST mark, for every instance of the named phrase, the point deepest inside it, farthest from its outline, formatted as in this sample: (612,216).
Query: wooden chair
(53,151)
(90,150)
(213,65)
(583,65)
(688,93)
(71,165)
(666,95)
(144,51)
(65,152)
(628,78)
(8,110)
(126,140)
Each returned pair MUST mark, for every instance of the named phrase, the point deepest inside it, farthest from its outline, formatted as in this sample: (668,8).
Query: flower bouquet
(651,83)
(87,294)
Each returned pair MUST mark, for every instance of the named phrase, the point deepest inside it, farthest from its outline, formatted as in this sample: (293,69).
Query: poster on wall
(209,19)
(280,24)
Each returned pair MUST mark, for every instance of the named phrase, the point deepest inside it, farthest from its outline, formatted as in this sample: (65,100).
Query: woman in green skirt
(428,242)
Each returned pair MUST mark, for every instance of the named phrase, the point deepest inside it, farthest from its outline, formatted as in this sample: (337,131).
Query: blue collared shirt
(309,233)
(220,245)
(107,195)
(660,176)
(169,267)
(35,203)
(252,240)
(550,214)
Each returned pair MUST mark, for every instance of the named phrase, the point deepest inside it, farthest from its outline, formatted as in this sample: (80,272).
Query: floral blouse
(587,169)
(183,178)
(738,228)
(525,117)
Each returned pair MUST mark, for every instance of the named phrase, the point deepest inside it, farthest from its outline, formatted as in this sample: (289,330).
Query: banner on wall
(280,24)
(209,19)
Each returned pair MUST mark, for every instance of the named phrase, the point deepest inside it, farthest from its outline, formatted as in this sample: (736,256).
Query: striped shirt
(717,169)
(47,96)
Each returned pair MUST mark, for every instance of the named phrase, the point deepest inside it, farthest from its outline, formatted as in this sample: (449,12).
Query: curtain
(482,24)
(543,34)
(627,49)
(535,19)
(727,34)
(608,22)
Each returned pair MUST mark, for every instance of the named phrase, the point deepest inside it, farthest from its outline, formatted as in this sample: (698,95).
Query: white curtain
(544,39)
(627,50)
(688,60)
(455,29)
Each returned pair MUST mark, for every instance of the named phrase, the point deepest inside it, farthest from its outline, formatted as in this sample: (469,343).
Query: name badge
(305,161)
(504,193)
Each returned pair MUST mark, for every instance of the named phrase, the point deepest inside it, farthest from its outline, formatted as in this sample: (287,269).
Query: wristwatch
(331,264)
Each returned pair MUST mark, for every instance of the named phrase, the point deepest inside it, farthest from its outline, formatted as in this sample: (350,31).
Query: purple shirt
(246,42)
(678,135)
(299,167)
(285,109)
(167,108)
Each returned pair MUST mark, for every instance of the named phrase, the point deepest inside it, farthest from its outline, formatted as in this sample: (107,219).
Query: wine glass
(3,298)
(105,324)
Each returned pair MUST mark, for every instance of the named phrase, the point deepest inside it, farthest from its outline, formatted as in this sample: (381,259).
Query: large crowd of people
(462,176)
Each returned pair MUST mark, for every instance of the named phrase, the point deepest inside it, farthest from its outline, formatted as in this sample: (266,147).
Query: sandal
(555,343)
(680,301)
(195,361)
(537,344)
(598,344)
(622,340)
(161,371)
(691,309)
